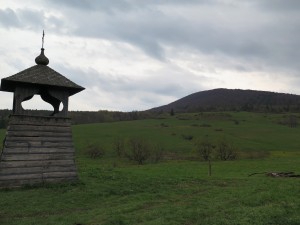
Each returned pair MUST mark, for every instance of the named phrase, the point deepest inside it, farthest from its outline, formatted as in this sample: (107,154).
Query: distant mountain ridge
(233,99)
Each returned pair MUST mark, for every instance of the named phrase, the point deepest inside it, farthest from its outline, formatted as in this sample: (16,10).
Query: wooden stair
(37,150)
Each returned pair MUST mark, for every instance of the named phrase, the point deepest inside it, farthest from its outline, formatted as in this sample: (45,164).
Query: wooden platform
(37,150)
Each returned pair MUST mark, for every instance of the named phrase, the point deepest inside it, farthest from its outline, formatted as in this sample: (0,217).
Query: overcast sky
(139,54)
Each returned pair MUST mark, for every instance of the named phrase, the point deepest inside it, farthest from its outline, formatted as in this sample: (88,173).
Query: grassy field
(176,190)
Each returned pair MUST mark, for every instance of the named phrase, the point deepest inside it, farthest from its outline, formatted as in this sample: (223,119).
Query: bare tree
(95,151)
(139,150)
(205,150)
(119,145)
(226,150)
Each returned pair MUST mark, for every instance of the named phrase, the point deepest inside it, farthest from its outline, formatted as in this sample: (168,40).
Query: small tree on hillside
(95,151)
(226,150)
(156,153)
(119,145)
(139,150)
(205,150)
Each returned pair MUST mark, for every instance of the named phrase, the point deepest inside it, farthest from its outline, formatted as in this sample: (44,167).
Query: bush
(255,154)
(226,151)
(205,149)
(219,129)
(205,125)
(139,150)
(164,125)
(119,145)
(187,137)
(236,122)
(95,151)
(156,153)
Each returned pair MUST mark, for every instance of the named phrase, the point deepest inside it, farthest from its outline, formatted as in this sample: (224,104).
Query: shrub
(205,125)
(290,120)
(205,149)
(164,125)
(119,145)
(255,154)
(187,137)
(219,129)
(156,153)
(95,151)
(226,151)
(139,150)
(236,122)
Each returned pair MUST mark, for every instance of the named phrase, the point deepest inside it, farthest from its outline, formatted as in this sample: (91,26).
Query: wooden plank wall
(37,150)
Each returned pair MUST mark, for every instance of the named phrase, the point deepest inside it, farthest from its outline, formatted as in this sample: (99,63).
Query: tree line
(84,117)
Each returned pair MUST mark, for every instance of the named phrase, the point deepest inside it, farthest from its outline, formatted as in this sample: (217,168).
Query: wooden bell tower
(38,149)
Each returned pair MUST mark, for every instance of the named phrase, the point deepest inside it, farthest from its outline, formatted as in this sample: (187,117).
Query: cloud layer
(134,55)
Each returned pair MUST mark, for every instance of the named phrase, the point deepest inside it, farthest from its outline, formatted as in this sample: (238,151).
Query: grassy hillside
(176,190)
(250,132)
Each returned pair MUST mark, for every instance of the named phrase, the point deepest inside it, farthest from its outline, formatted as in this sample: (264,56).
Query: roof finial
(43,39)
(42,59)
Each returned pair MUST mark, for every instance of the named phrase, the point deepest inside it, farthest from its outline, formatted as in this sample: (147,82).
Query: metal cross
(43,39)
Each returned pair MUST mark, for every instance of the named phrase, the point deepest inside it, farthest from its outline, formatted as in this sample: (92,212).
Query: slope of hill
(233,99)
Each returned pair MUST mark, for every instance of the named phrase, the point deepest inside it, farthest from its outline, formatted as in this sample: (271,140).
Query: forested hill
(233,100)
(212,100)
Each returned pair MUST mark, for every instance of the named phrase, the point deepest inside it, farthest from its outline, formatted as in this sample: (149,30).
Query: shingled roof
(39,75)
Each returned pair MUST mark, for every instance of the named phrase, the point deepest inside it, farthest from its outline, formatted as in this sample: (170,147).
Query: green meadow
(114,190)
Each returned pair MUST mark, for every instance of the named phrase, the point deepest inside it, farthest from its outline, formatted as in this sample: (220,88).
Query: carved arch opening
(58,101)
(36,105)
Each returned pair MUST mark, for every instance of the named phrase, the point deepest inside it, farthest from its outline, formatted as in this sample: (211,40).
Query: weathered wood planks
(37,150)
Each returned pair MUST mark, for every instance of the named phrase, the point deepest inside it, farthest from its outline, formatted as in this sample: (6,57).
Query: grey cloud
(105,6)
(77,4)
(148,44)
(92,78)
(145,25)
(165,83)
(22,18)
(109,6)
(151,30)
(279,5)
(31,19)
(55,24)
(8,18)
